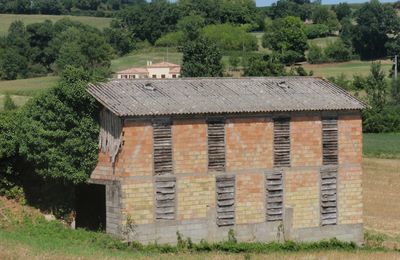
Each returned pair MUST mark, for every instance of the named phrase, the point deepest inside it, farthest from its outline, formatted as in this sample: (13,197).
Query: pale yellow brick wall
(350,205)
(250,206)
(302,194)
(196,195)
(138,201)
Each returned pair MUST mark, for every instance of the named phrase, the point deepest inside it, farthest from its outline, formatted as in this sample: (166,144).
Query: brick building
(269,158)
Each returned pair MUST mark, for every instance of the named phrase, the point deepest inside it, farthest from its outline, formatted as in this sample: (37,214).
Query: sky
(269,2)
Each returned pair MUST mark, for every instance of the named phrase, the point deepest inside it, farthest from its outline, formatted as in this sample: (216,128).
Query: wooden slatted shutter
(162,145)
(328,195)
(216,146)
(225,188)
(165,197)
(274,195)
(329,172)
(282,142)
(329,141)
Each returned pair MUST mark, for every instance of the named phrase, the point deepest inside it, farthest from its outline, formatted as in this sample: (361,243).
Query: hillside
(7,19)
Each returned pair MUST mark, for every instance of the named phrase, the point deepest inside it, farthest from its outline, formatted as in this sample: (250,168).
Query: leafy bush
(386,120)
(172,39)
(316,55)
(264,65)
(342,81)
(338,51)
(229,37)
(316,31)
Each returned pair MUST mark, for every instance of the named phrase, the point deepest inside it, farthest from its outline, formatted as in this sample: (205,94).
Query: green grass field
(347,68)
(323,42)
(27,87)
(7,19)
(384,145)
(140,58)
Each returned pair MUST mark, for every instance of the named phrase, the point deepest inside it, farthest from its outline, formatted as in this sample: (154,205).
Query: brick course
(306,141)
(196,196)
(350,139)
(138,201)
(250,206)
(350,204)
(189,146)
(136,156)
(248,143)
(301,192)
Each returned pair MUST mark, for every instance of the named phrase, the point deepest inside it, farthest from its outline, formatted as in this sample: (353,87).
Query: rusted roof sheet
(221,95)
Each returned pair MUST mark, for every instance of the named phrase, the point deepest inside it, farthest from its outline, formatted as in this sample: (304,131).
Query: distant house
(162,70)
(265,157)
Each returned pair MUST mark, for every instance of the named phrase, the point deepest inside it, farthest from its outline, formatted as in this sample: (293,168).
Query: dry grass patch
(381,187)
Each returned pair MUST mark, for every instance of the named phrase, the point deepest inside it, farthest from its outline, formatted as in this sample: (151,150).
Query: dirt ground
(381,195)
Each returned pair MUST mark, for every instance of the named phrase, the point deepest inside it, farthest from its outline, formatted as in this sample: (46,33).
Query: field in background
(349,68)
(381,186)
(383,145)
(323,42)
(7,19)
(140,58)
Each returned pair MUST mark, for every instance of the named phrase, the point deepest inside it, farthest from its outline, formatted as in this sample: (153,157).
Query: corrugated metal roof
(221,95)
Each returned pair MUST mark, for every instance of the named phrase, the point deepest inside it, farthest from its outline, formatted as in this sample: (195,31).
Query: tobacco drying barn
(269,158)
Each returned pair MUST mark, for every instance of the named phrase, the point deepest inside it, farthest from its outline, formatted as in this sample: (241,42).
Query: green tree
(59,132)
(264,65)
(323,15)
(288,38)
(191,25)
(376,22)
(17,38)
(13,64)
(376,87)
(342,10)
(338,51)
(121,39)
(149,21)
(201,58)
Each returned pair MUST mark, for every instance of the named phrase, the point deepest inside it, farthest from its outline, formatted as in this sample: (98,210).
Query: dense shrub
(316,55)
(172,39)
(264,65)
(338,51)
(381,121)
(316,31)
(229,37)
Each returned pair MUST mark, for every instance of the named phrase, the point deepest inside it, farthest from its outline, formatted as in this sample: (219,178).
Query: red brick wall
(136,156)
(350,139)
(189,146)
(306,141)
(249,143)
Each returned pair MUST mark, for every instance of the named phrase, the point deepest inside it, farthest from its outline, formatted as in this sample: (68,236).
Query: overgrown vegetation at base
(21,223)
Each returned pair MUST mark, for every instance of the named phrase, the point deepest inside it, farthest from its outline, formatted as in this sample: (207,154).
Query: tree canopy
(287,37)
(201,58)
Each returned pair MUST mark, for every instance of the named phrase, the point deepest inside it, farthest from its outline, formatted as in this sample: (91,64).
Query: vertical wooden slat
(165,197)
(162,147)
(110,134)
(328,193)
(274,195)
(282,142)
(225,189)
(329,141)
(216,146)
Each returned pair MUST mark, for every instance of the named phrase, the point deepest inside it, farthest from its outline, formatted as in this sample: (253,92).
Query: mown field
(7,19)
